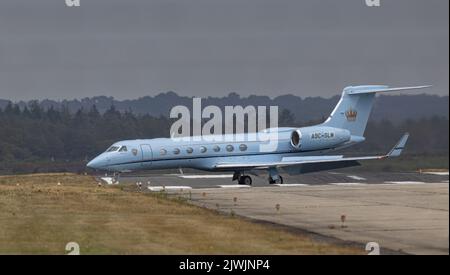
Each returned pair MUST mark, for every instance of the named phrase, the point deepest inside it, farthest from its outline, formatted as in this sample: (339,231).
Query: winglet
(398,148)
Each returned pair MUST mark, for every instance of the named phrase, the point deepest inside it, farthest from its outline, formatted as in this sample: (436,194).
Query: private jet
(299,150)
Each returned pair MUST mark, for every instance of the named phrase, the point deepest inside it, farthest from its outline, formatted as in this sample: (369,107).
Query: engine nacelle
(316,138)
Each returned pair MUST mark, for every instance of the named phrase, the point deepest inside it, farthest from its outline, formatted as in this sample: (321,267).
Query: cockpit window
(113,149)
(123,149)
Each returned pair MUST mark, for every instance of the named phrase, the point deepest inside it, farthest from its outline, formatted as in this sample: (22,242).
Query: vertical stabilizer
(353,109)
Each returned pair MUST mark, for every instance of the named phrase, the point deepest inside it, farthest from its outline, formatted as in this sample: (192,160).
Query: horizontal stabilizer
(379,89)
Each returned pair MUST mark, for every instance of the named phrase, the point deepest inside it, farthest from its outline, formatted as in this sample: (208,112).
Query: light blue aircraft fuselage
(298,150)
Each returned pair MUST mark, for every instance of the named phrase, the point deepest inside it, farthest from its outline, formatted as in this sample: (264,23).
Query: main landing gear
(274,178)
(245,180)
(242,179)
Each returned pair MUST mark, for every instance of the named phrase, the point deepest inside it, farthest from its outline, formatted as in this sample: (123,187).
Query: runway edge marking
(234,186)
(161,188)
(404,182)
(204,176)
(347,183)
(291,184)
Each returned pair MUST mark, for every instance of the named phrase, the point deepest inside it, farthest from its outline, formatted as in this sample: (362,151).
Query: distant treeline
(36,134)
(396,108)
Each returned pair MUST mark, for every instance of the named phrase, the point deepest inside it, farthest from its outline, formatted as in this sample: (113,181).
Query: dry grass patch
(38,215)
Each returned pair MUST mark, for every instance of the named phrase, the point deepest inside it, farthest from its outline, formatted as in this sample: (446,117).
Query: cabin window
(203,149)
(162,152)
(176,151)
(123,149)
(230,148)
(243,147)
(216,148)
(189,150)
(113,149)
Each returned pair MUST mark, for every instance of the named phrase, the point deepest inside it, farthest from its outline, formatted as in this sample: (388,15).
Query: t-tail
(353,109)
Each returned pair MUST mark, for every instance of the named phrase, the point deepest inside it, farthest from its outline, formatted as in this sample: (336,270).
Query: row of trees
(36,134)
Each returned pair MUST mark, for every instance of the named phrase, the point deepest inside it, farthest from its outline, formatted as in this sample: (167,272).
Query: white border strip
(347,183)
(436,173)
(161,188)
(404,182)
(234,186)
(205,176)
(354,177)
(291,184)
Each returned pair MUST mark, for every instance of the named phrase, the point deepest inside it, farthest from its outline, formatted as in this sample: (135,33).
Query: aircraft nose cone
(94,164)
(100,162)
(91,164)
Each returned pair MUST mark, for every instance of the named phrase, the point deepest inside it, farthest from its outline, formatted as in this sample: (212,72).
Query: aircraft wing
(292,161)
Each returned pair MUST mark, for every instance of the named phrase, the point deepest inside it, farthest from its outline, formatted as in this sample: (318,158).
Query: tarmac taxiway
(401,212)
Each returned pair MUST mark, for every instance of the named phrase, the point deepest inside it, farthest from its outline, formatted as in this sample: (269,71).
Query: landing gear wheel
(245,180)
(278,181)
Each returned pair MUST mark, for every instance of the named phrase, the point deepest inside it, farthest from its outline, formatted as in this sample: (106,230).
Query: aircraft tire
(245,180)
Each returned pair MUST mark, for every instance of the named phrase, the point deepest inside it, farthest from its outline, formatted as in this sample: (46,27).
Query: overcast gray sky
(132,48)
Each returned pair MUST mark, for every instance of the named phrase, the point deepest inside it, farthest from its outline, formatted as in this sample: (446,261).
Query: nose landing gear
(116,178)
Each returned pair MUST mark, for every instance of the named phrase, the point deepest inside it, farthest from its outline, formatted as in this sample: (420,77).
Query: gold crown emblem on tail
(351,114)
